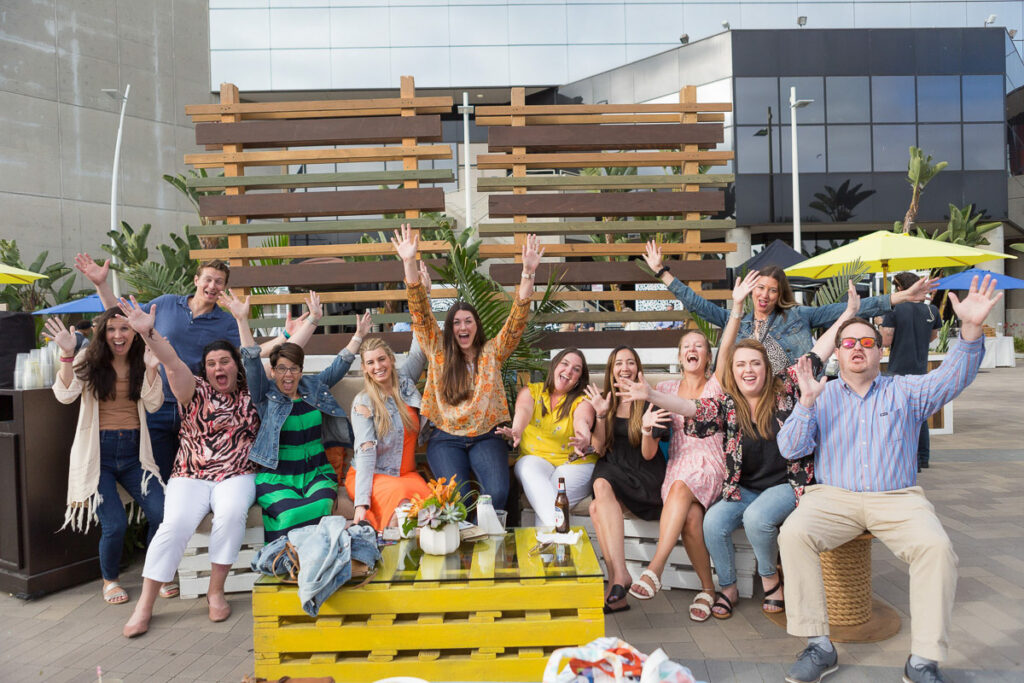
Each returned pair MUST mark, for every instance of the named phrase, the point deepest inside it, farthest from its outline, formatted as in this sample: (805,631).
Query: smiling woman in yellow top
(551,420)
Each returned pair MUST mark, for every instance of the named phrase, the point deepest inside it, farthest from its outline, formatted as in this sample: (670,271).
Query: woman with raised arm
(386,421)
(631,468)
(782,326)
(212,471)
(118,383)
(550,418)
(761,487)
(465,395)
(296,485)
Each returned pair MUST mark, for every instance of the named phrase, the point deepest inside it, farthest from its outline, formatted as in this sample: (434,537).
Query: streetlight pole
(767,131)
(467,182)
(795,104)
(116,94)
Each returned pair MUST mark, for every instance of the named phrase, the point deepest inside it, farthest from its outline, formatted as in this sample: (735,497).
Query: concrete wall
(57,129)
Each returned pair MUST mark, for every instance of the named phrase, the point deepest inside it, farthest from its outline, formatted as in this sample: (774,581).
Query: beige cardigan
(84,470)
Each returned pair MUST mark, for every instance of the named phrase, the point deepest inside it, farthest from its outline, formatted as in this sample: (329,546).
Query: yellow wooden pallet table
(491,611)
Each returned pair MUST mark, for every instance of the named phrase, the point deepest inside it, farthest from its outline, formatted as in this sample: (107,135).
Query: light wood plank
(345,155)
(285,181)
(318,105)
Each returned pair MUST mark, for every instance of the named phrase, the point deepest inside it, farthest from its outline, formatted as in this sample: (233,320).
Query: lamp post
(795,104)
(116,94)
(466,110)
(771,166)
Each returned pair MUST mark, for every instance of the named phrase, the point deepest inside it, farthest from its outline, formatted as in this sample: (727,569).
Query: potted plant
(438,516)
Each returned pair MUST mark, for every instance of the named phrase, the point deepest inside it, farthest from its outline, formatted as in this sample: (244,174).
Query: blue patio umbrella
(88,304)
(962,280)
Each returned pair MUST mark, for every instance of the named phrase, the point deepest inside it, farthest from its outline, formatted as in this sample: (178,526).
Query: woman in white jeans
(212,471)
(551,418)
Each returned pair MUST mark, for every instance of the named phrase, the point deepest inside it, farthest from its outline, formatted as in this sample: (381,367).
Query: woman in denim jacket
(782,327)
(296,485)
(386,422)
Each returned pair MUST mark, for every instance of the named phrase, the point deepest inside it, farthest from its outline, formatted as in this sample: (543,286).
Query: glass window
(248,69)
(849,148)
(984,147)
(752,150)
(881,14)
(239,29)
(538,64)
(480,66)
(938,98)
(891,146)
(654,23)
(300,28)
(848,98)
(587,60)
(811,147)
(361,68)
(537,24)
(478,25)
(590,24)
(932,14)
(753,97)
(359,27)
(892,99)
(430,64)
(419,26)
(942,142)
(983,98)
(806,89)
(300,69)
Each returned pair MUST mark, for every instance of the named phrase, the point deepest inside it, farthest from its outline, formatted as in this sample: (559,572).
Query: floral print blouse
(487,406)
(719,415)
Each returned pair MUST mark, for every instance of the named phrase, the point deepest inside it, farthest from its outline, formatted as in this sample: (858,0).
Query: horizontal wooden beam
(614,272)
(641,339)
(376,296)
(648,108)
(584,249)
(321,250)
(326,113)
(558,119)
(333,320)
(580,137)
(579,204)
(344,155)
(602,159)
(319,106)
(311,227)
(295,180)
(601,227)
(337,203)
(357,130)
(608,316)
(320,275)
(602,182)
(330,344)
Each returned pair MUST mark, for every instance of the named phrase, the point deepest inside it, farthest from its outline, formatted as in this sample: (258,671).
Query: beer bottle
(561,508)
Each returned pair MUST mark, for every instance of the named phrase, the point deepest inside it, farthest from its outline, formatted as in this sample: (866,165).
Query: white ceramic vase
(441,541)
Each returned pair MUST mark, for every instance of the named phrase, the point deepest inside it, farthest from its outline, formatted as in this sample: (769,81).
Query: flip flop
(169,590)
(114,594)
(648,591)
(616,594)
(781,604)
(722,601)
(704,608)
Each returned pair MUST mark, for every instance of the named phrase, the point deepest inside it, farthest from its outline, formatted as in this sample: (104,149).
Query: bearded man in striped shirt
(865,428)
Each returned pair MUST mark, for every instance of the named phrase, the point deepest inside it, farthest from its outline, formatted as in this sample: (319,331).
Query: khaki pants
(905,522)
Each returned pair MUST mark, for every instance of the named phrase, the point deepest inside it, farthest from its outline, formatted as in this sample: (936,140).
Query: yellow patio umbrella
(884,251)
(9,275)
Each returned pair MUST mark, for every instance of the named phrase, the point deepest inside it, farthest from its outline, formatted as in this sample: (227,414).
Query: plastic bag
(610,660)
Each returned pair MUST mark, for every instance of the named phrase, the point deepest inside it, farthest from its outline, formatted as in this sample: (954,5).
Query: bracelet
(647,432)
(600,417)
(528,276)
(286,335)
(312,322)
(661,271)
(67,359)
(733,314)
(357,340)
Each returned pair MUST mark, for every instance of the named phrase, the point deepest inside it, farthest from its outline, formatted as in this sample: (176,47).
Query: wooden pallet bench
(194,569)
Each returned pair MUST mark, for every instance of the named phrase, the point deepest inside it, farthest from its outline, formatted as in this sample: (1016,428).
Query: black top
(912,325)
(635,481)
(763,466)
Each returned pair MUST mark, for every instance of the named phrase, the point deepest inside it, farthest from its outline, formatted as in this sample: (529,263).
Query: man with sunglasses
(865,428)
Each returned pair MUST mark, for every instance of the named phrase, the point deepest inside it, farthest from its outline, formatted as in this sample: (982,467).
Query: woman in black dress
(630,471)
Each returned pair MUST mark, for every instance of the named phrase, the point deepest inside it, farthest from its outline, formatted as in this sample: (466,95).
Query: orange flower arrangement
(443,506)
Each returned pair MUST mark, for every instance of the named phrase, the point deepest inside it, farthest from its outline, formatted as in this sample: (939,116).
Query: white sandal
(702,608)
(648,592)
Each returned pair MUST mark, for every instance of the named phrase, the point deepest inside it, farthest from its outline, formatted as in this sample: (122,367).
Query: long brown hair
(379,393)
(456,379)
(786,299)
(572,394)
(96,369)
(762,423)
(636,410)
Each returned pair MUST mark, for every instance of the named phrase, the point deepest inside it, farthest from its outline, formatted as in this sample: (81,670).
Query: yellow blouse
(547,436)
(487,407)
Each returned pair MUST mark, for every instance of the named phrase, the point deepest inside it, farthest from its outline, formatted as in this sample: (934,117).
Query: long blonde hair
(379,394)
(636,410)
(762,423)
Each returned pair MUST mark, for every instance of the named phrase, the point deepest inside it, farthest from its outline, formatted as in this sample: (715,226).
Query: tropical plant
(1017,247)
(179,181)
(444,505)
(838,204)
(964,227)
(148,278)
(942,343)
(835,287)
(46,291)
(920,171)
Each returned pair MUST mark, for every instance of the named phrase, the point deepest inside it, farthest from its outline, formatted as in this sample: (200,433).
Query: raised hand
(532,252)
(920,290)
(852,300)
(600,403)
(652,255)
(976,306)
(744,287)
(655,417)
(810,388)
(313,308)
(94,272)
(138,319)
(238,308)
(292,325)
(510,434)
(628,390)
(364,324)
(64,337)
(406,242)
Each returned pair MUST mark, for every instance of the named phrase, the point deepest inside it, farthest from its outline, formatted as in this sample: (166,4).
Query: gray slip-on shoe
(929,673)
(813,664)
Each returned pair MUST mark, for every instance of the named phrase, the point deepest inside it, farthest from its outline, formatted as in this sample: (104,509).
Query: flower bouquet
(438,517)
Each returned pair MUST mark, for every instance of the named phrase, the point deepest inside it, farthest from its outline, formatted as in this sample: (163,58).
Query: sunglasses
(865,342)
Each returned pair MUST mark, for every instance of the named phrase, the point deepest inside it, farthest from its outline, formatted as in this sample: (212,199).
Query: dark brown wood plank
(578,204)
(343,203)
(318,276)
(313,227)
(613,272)
(602,227)
(347,131)
(641,339)
(580,137)
(602,182)
(330,344)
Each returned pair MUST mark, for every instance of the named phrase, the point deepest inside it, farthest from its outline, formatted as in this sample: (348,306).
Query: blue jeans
(164,426)
(119,464)
(761,515)
(485,456)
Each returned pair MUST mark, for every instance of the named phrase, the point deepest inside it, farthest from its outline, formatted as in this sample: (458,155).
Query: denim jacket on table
(382,453)
(791,328)
(274,407)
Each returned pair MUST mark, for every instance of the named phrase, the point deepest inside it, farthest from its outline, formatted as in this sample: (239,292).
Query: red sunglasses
(865,342)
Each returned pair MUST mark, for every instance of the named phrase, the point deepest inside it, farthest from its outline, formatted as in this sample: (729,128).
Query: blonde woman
(386,422)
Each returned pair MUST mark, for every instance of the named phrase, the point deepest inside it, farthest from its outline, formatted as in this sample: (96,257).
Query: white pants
(186,502)
(540,484)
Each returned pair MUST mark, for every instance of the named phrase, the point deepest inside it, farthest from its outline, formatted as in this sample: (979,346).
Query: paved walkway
(975,482)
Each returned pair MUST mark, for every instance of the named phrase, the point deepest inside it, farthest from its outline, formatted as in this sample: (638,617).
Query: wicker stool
(846,573)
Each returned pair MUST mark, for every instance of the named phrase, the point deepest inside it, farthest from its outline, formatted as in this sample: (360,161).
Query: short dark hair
(905,280)
(216,264)
(82,325)
(854,320)
(222,345)
(288,351)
